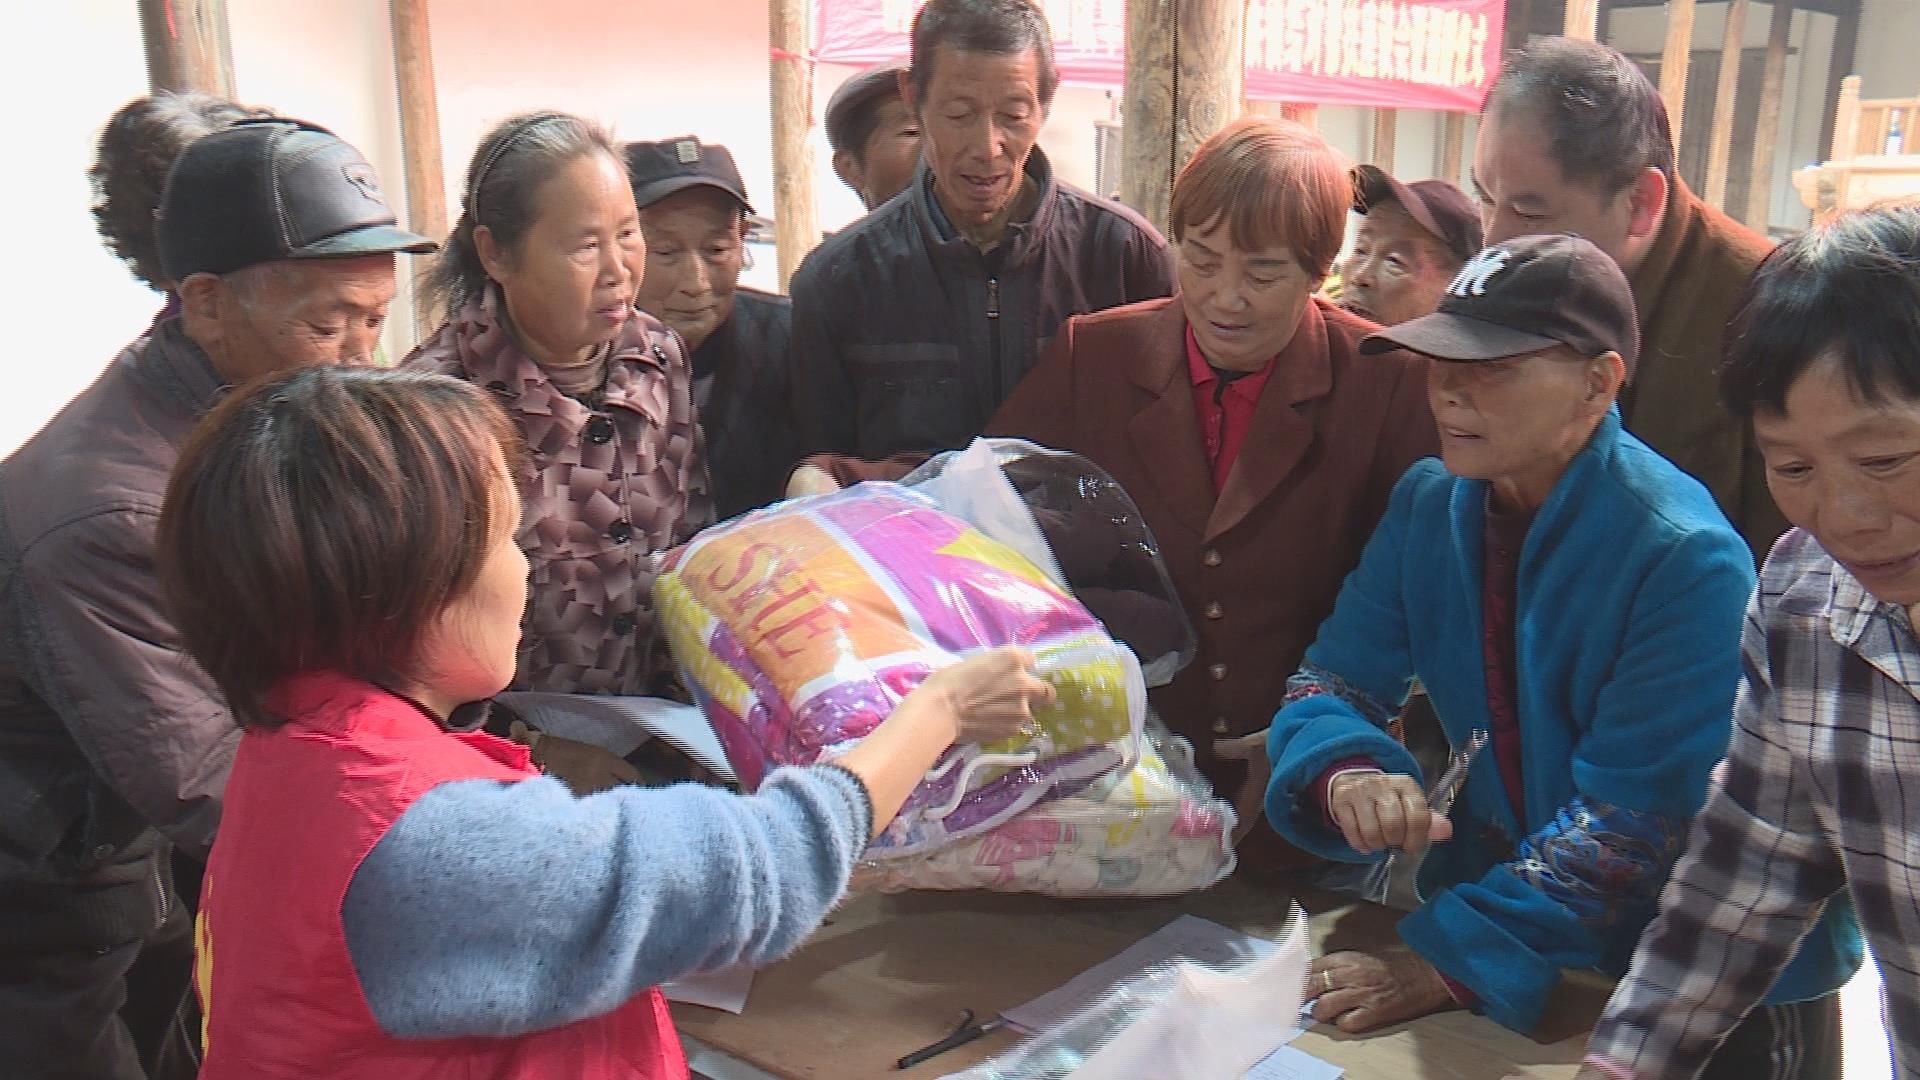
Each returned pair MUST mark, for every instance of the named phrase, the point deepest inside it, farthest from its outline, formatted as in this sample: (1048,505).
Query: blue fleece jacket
(589,901)
(1631,593)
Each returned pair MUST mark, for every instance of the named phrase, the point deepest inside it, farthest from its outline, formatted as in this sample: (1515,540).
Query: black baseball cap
(852,98)
(1440,208)
(270,189)
(1521,296)
(658,169)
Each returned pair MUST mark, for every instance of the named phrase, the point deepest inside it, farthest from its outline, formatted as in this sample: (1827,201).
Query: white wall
(331,64)
(1884,57)
(72,305)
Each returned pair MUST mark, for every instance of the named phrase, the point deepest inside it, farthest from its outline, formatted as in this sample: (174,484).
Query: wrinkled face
(1243,306)
(472,649)
(1522,191)
(886,163)
(695,249)
(979,121)
(570,283)
(1848,471)
(292,314)
(1396,271)
(1521,419)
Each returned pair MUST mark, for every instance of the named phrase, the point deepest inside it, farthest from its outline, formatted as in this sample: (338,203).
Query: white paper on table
(1215,1023)
(724,989)
(1293,1063)
(621,724)
(1187,938)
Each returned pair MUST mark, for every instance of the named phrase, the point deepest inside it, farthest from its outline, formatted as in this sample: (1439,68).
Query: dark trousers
(1782,1042)
(111,1013)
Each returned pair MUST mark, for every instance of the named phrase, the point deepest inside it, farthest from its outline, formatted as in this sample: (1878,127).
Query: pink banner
(1396,54)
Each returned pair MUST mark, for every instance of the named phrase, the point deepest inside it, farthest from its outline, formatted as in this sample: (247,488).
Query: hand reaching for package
(810,480)
(992,695)
(1251,800)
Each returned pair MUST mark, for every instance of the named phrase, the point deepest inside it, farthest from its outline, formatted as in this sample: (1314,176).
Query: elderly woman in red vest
(393,895)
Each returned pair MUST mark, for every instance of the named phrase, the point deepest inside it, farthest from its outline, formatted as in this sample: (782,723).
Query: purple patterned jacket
(606,490)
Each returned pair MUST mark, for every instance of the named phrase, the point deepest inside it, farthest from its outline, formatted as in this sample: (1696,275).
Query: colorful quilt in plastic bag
(799,627)
(1154,829)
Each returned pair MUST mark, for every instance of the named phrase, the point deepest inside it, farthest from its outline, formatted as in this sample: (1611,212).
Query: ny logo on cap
(688,151)
(1473,277)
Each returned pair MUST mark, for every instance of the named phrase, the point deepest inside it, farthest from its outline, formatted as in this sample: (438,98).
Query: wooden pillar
(187,45)
(1185,73)
(796,220)
(1673,63)
(1209,45)
(1583,19)
(1453,147)
(1846,122)
(419,141)
(1385,127)
(1766,136)
(1720,144)
(1846,35)
(1519,22)
(1146,134)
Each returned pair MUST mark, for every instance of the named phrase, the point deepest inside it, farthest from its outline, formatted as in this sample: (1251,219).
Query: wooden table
(891,974)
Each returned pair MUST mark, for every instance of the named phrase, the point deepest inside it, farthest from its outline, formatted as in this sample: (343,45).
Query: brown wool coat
(1685,291)
(1257,566)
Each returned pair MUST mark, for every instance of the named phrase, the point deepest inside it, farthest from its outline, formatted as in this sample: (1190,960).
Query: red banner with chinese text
(1396,54)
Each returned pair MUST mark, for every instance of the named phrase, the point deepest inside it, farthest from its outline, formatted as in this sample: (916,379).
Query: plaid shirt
(1820,793)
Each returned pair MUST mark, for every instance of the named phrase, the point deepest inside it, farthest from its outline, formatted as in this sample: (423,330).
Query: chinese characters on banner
(1396,54)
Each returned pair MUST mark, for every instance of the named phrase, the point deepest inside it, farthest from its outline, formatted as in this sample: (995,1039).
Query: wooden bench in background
(1875,157)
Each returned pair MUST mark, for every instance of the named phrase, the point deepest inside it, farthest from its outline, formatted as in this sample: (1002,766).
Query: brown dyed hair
(321,520)
(1277,183)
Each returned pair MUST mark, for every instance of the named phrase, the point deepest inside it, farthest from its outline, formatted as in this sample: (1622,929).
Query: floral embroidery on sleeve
(1602,862)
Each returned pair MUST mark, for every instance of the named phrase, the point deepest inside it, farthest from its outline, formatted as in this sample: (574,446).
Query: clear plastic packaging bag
(1096,541)
(1155,829)
(1179,1021)
(800,627)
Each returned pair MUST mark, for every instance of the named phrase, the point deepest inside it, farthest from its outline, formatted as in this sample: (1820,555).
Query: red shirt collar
(1203,374)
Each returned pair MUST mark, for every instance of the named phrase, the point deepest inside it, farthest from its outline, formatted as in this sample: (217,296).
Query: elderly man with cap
(693,216)
(874,136)
(1574,138)
(1564,594)
(1413,239)
(114,746)
(913,324)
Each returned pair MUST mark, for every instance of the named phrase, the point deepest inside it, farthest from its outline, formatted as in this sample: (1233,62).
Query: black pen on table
(967,1032)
